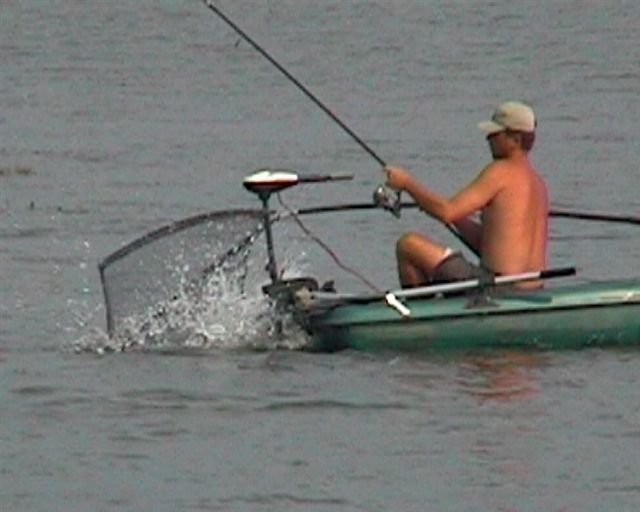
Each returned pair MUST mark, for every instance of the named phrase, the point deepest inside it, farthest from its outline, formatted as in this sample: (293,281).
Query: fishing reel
(388,199)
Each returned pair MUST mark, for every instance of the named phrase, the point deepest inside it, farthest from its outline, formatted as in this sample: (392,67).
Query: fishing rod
(295,81)
(382,196)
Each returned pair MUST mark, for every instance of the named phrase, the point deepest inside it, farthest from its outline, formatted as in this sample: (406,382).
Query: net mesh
(173,261)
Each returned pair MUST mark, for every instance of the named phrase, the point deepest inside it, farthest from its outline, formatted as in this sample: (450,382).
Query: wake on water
(224,314)
(224,310)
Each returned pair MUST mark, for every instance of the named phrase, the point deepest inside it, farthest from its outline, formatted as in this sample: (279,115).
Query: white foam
(229,311)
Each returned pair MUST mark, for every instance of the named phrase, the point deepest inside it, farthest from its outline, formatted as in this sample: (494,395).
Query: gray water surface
(118,117)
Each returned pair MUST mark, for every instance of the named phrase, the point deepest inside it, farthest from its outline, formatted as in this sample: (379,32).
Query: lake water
(119,117)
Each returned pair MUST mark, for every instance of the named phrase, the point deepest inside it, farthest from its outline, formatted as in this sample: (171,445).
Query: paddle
(320,104)
(561,213)
(392,298)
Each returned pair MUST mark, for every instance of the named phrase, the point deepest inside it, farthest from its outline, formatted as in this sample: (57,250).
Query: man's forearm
(429,201)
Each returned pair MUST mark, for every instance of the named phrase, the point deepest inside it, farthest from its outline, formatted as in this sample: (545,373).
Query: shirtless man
(511,197)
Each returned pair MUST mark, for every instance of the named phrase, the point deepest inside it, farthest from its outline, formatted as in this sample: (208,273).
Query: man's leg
(417,257)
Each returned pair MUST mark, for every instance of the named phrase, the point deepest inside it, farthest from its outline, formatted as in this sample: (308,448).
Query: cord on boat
(327,249)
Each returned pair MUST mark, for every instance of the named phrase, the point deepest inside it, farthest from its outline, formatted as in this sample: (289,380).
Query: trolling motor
(263,183)
(286,292)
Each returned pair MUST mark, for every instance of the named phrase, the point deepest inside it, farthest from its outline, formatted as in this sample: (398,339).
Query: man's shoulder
(506,174)
(508,167)
(497,170)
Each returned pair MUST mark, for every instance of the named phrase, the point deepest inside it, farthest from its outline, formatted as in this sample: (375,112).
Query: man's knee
(408,243)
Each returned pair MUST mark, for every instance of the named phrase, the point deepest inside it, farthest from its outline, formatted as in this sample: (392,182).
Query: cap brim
(490,127)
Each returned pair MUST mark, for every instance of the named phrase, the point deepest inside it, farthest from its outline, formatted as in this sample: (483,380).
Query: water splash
(227,310)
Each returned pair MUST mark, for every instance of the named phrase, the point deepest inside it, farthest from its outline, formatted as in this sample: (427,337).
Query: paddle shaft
(477,283)
(430,290)
(319,103)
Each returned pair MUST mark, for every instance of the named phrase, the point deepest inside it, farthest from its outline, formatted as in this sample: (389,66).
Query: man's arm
(469,200)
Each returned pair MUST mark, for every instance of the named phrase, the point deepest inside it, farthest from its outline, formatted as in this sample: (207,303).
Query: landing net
(174,261)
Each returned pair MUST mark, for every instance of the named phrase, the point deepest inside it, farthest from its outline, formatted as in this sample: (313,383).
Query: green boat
(471,314)
(478,314)
(562,317)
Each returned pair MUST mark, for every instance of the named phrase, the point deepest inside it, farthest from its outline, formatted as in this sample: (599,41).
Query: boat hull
(567,317)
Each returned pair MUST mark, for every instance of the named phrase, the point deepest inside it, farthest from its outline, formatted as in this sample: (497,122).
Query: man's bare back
(514,222)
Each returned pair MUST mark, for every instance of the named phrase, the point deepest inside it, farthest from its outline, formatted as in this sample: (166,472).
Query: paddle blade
(172,261)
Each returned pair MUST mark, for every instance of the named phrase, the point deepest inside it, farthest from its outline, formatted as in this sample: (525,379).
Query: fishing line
(326,248)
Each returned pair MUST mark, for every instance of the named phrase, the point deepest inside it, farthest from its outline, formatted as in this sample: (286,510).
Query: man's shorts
(456,268)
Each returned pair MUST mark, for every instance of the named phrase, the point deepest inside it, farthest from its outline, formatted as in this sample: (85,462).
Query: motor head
(264,182)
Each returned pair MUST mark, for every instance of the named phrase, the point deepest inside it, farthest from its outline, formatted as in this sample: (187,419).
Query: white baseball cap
(510,115)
